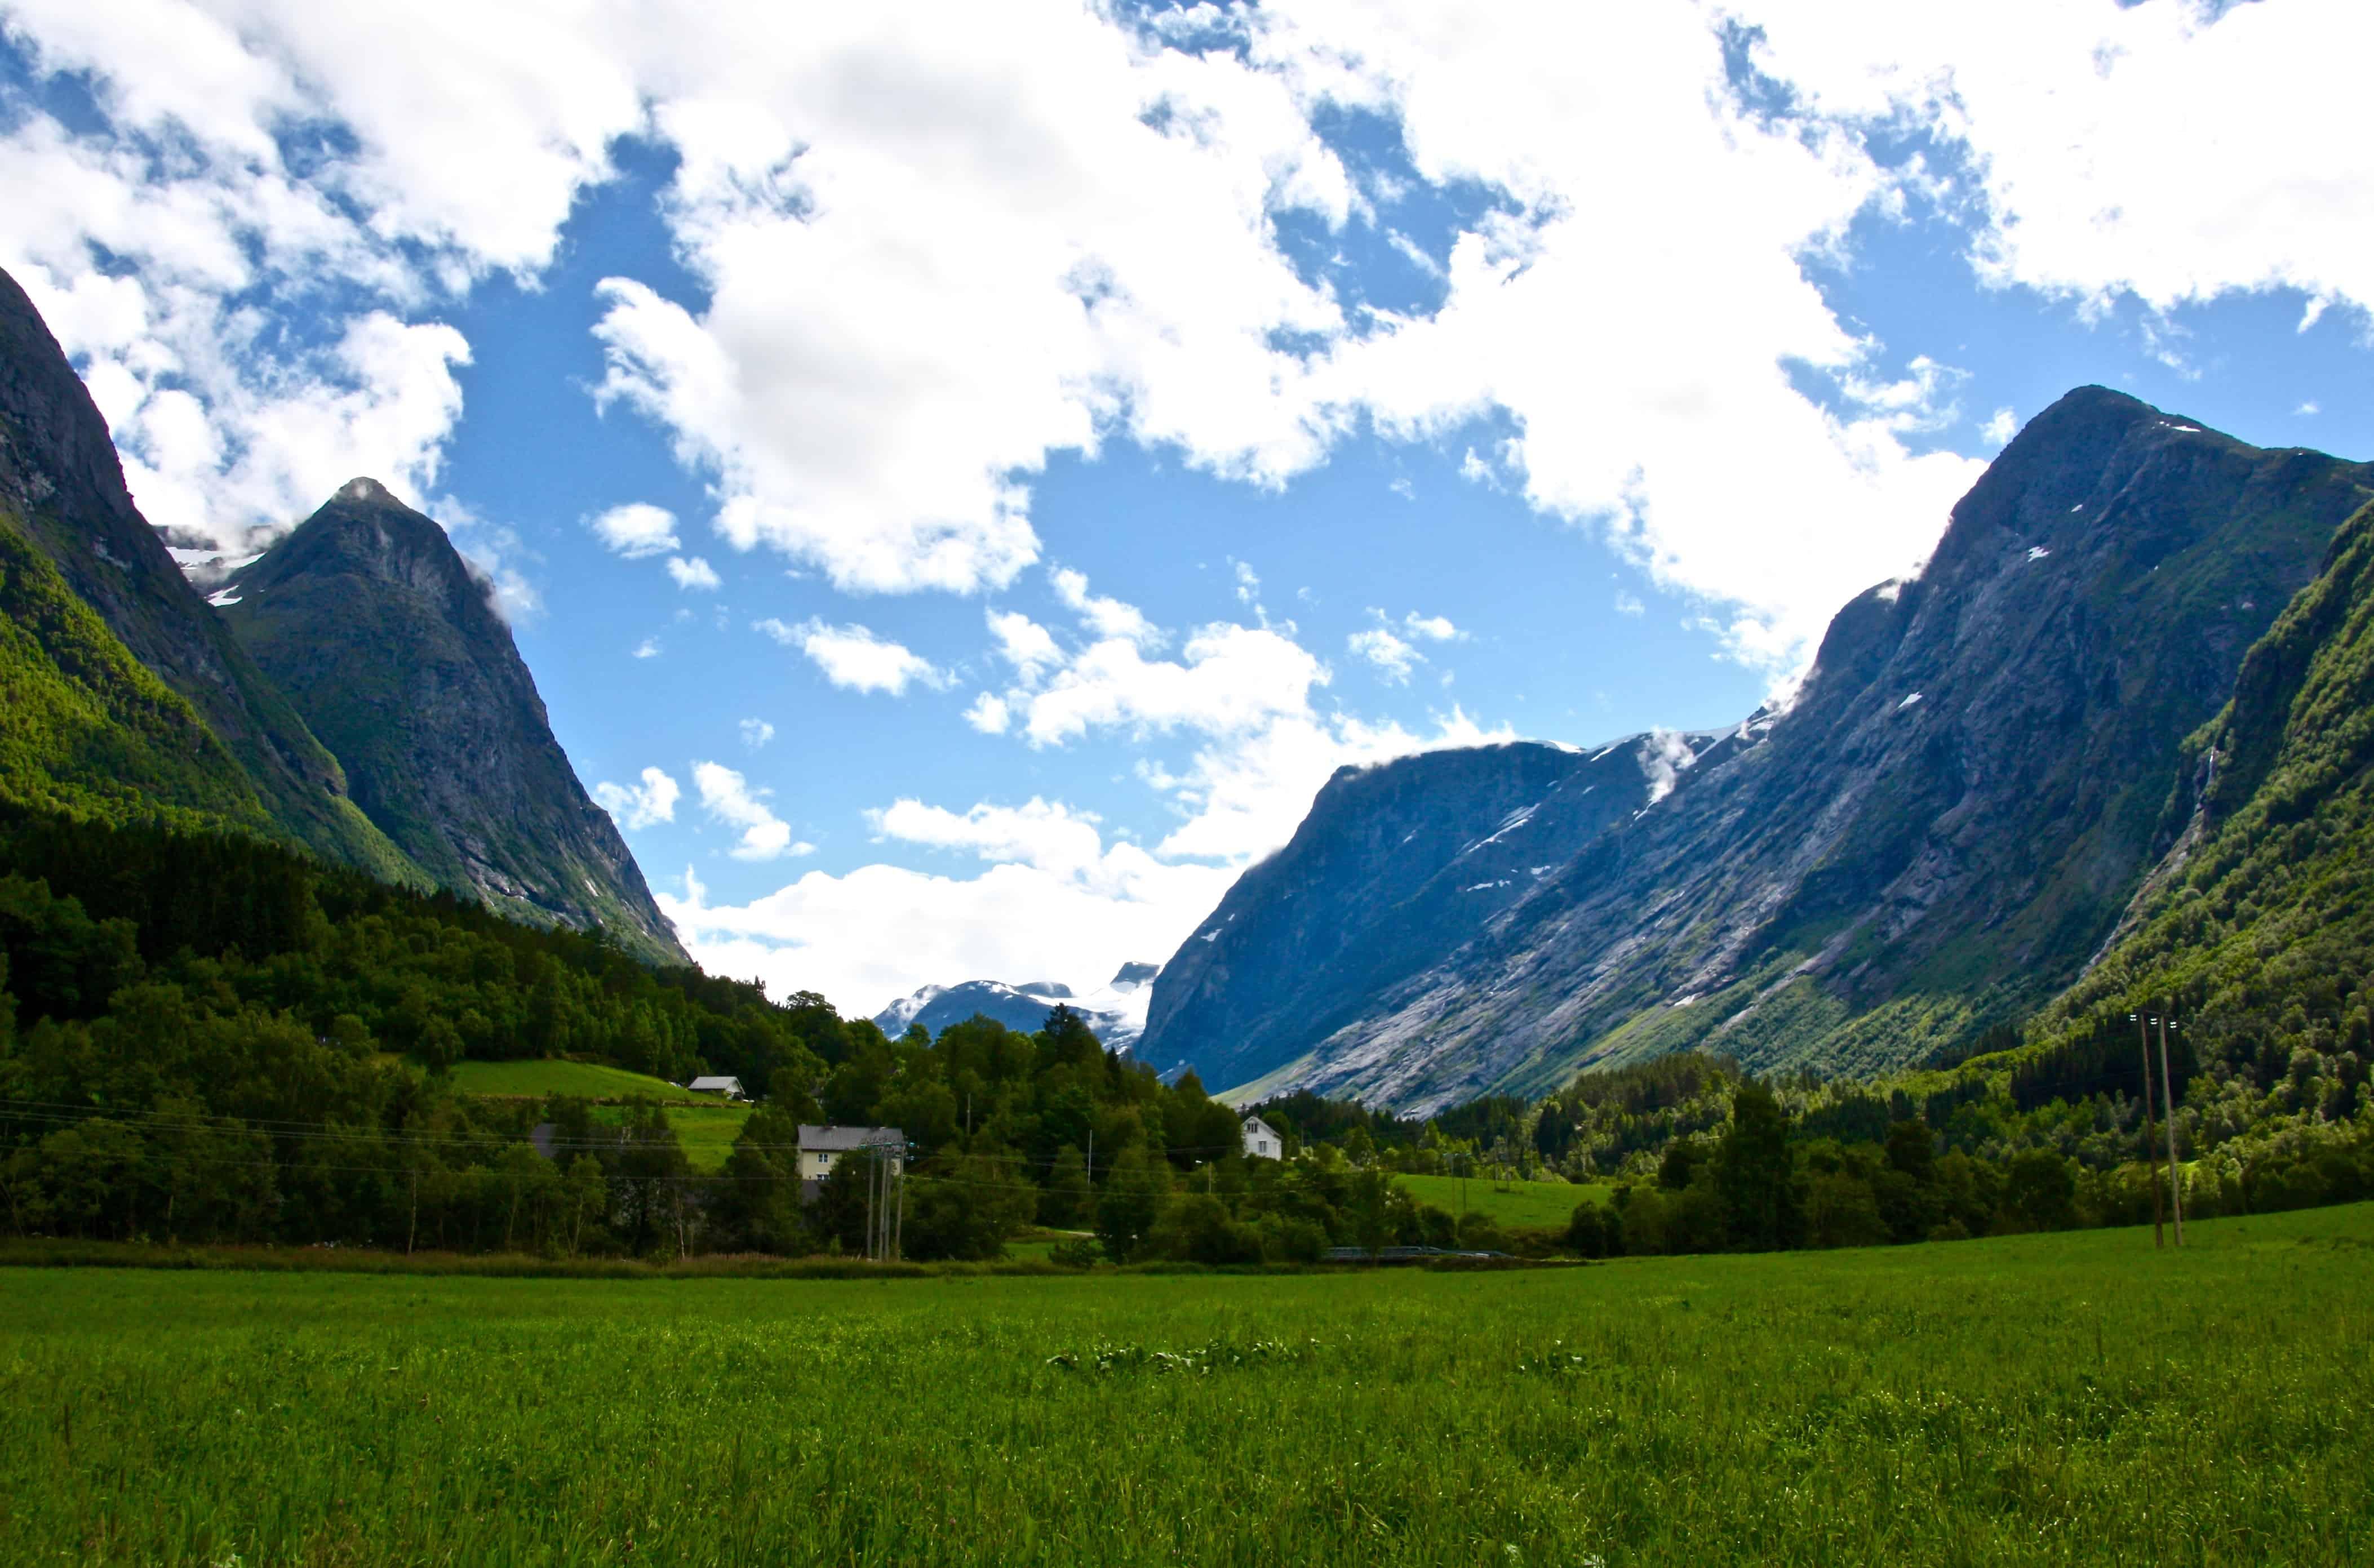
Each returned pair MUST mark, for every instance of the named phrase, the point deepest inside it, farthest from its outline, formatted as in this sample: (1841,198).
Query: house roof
(1255,1124)
(838,1140)
(733,1084)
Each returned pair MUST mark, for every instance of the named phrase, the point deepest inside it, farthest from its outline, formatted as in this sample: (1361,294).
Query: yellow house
(823,1148)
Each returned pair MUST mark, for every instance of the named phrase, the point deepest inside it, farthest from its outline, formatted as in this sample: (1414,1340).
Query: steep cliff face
(1938,833)
(387,644)
(1395,866)
(62,491)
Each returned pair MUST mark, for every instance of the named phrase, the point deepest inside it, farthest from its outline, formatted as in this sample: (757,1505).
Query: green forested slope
(90,730)
(2260,929)
(62,489)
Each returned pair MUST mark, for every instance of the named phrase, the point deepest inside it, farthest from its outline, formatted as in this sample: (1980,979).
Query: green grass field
(2070,1398)
(585,1078)
(707,1132)
(1535,1205)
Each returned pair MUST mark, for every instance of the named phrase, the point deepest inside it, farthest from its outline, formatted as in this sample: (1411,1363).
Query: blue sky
(963,476)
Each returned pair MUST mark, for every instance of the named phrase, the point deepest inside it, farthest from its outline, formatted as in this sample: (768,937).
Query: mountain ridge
(1938,832)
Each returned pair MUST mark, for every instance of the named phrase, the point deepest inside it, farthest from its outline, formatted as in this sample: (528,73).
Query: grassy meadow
(1530,1205)
(592,1080)
(2068,1398)
(705,1125)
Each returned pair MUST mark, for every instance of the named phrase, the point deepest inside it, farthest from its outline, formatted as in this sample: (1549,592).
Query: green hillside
(2260,929)
(590,1080)
(90,730)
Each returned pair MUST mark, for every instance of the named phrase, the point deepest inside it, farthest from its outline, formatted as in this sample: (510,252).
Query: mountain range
(1116,1014)
(352,692)
(1935,834)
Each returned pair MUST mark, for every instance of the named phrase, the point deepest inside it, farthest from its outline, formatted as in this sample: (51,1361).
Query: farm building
(725,1088)
(1262,1142)
(822,1148)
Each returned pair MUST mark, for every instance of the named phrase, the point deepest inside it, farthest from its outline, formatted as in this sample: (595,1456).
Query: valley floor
(2073,1398)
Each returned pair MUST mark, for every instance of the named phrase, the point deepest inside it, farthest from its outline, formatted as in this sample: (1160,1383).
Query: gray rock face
(60,481)
(1936,835)
(378,631)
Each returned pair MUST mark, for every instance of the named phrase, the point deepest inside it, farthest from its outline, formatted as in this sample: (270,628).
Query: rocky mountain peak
(390,645)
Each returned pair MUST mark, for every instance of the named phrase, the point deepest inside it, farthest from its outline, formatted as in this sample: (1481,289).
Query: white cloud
(695,573)
(1105,617)
(853,657)
(877,934)
(1629,604)
(1248,583)
(636,530)
(640,805)
(2000,427)
(1024,644)
(648,649)
(1395,655)
(941,242)
(729,801)
(2307,408)
(1434,628)
(988,714)
(1262,749)
(1229,679)
(756,732)
(2084,126)
(1393,658)
(936,245)
(1059,900)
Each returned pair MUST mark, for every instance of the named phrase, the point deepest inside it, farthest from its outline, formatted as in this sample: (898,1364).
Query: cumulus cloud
(2000,427)
(695,573)
(1629,604)
(1393,654)
(1434,628)
(648,649)
(756,732)
(1105,617)
(1024,644)
(1393,658)
(876,935)
(1228,678)
(635,529)
(935,246)
(989,714)
(640,805)
(729,801)
(2085,140)
(853,657)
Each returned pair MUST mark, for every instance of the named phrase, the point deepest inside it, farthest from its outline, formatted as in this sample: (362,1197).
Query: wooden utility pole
(2151,1149)
(2168,1102)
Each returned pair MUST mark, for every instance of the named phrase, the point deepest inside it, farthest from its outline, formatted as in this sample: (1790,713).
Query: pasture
(592,1081)
(2066,1399)
(1532,1205)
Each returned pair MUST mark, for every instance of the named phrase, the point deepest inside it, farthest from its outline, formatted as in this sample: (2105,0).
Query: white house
(724,1088)
(1262,1142)
(822,1148)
